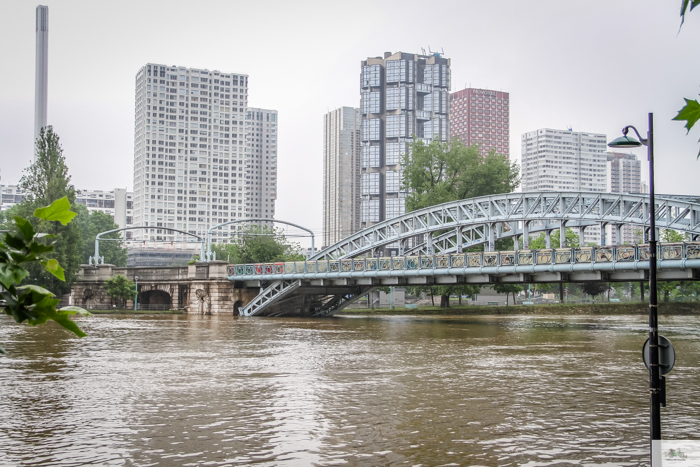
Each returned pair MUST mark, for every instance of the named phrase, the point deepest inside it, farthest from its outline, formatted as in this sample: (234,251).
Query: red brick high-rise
(481,116)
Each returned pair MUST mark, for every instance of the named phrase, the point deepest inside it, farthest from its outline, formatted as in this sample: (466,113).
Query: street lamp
(654,373)
(136,297)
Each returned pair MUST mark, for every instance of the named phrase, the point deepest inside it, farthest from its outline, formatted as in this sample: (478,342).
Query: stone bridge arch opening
(155,300)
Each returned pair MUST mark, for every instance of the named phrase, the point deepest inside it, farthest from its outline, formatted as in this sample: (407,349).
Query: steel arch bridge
(483,220)
(451,227)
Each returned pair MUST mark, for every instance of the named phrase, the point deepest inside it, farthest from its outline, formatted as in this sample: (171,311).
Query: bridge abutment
(200,288)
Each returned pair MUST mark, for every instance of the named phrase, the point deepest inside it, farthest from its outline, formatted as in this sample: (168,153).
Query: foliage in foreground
(691,111)
(25,247)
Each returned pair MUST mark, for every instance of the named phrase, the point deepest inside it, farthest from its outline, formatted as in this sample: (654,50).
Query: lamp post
(136,297)
(654,373)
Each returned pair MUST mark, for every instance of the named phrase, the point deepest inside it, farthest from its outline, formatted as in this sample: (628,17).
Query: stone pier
(200,288)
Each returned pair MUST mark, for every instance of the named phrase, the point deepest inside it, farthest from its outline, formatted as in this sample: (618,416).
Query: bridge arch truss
(446,228)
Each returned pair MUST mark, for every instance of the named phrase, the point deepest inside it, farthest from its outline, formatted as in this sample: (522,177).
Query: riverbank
(672,308)
(139,312)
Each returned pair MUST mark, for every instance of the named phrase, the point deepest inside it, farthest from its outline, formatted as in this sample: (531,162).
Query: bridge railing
(579,255)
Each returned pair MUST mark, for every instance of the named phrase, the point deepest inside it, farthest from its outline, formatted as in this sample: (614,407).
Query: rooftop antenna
(422,51)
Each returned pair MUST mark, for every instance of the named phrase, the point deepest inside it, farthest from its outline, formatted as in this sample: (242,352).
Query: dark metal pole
(654,381)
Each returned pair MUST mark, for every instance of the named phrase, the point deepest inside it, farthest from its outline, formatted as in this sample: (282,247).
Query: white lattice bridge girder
(469,219)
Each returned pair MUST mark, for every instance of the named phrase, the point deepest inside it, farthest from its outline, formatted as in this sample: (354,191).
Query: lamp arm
(626,129)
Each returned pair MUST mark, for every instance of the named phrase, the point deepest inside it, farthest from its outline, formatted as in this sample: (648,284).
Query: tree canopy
(572,240)
(91,224)
(44,182)
(258,244)
(120,289)
(441,172)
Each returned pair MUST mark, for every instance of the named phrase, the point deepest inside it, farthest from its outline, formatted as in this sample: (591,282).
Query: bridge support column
(429,243)
(547,239)
(602,233)
(491,232)
(526,235)
(516,242)
(562,235)
(618,233)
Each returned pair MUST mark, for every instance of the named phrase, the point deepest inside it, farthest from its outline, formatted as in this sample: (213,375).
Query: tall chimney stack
(42,69)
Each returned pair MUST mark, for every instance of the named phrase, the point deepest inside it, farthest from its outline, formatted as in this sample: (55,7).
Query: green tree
(441,172)
(595,288)
(44,182)
(120,289)
(572,240)
(690,112)
(673,236)
(256,244)
(508,289)
(91,224)
(22,247)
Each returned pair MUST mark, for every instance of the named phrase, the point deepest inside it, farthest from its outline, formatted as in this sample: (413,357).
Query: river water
(365,391)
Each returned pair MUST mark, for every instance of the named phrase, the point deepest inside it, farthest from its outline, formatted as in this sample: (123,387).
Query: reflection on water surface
(217,390)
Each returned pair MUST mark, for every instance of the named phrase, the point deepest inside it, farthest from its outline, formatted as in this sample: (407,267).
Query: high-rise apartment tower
(403,96)
(341,174)
(261,163)
(189,151)
(624,176)
(481,116)
(562,160)
(41,78)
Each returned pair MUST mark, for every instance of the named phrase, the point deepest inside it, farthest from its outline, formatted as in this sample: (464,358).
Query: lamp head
(624,142)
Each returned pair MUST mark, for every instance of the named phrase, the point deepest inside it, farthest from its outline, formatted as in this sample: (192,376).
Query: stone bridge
(200,288)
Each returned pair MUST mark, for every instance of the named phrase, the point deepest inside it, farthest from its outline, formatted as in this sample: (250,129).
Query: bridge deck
(627,258)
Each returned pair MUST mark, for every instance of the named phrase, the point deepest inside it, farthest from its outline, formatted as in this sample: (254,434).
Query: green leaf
(690,113)
(75,310)
(62,318)
(11,274)
(684,7)
(25,227)
(58,211)
(37,289)
(54,268)
(38,248)
(15,242)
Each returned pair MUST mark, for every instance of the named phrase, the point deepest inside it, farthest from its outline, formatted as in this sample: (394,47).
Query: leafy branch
(691,111)
(32,303)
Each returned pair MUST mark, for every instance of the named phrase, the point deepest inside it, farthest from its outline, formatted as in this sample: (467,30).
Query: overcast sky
(592,65)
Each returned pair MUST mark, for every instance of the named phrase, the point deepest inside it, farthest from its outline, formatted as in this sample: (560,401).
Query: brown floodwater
(360,391)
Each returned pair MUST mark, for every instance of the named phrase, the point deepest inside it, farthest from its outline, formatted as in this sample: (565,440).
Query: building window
(371,129)
(370,210)
(394,153)
(370,156)
(371,75)
(392,98)
(395,207)
(392,181)
(392,71)
(370,183)
(392,126)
